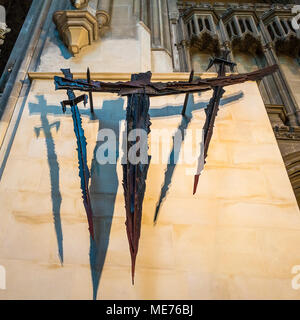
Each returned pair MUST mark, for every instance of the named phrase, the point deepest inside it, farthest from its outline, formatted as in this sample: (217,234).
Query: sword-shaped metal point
(187,95)
(88,75)
(196,179)
(74,102)
(224,61)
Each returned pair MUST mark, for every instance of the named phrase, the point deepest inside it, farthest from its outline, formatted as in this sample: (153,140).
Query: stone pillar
(226,42)
(141,11)
(145,5)
(293,112)
(174,16)
(103,13)
(237,25)
(183,47)
(196,24)
(160,36)
(160,26)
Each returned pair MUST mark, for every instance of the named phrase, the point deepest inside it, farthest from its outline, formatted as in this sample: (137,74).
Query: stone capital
(103,18)
(77,29)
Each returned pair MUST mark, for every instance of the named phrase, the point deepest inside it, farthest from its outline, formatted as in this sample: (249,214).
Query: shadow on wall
(103,189)
(43,110)
(56,40)
(104,178)
(185,121)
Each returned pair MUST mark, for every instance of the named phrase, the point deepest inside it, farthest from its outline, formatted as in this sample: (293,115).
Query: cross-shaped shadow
(104,179)
(42,109)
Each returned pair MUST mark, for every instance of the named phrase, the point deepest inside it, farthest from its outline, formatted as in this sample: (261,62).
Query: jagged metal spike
(222,61)
(73,102)
(153,89)
(140,88)
(186,99)
(134,175)
(211,111)
(84,173)
(88,75)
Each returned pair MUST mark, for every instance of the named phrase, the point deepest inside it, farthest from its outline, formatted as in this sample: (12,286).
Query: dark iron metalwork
(161,88)
(84,173)
(186,99)
(88,76)
(138,90)
(134,175)
(212,108)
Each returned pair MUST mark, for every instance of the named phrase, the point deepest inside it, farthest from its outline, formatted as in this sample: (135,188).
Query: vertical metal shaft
(88,75)
(187,95)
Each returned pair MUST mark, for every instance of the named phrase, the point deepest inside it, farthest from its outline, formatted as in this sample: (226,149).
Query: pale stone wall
(291,69)
(126,42)
(237,238)
(161,61)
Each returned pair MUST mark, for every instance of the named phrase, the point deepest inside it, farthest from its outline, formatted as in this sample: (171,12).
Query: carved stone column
(3,27)
(174,16)
(103,12)
(141,11)
(287,98)
(160,27)
(226,42)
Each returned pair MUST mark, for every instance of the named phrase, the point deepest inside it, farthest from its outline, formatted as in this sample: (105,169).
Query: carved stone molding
(247,43)
(3,27)
(281,33)
(77,29)
(103,18)
(277,115)
(287,133)
(292,163)
(206,42)
(289,45)
(3,30)
(80,4)
(103,13)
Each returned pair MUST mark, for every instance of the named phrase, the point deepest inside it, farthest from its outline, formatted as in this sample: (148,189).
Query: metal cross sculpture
(138,91)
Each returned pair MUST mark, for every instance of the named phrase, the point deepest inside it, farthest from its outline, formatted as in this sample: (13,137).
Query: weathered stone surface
(237,238)
(78,29)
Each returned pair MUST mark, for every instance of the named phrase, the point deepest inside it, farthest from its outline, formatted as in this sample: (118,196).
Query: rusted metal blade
(196,180)
(162,88)
(84,172)
(74,102)
(88,75)
(186,99)
(135,174)
(212,110)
